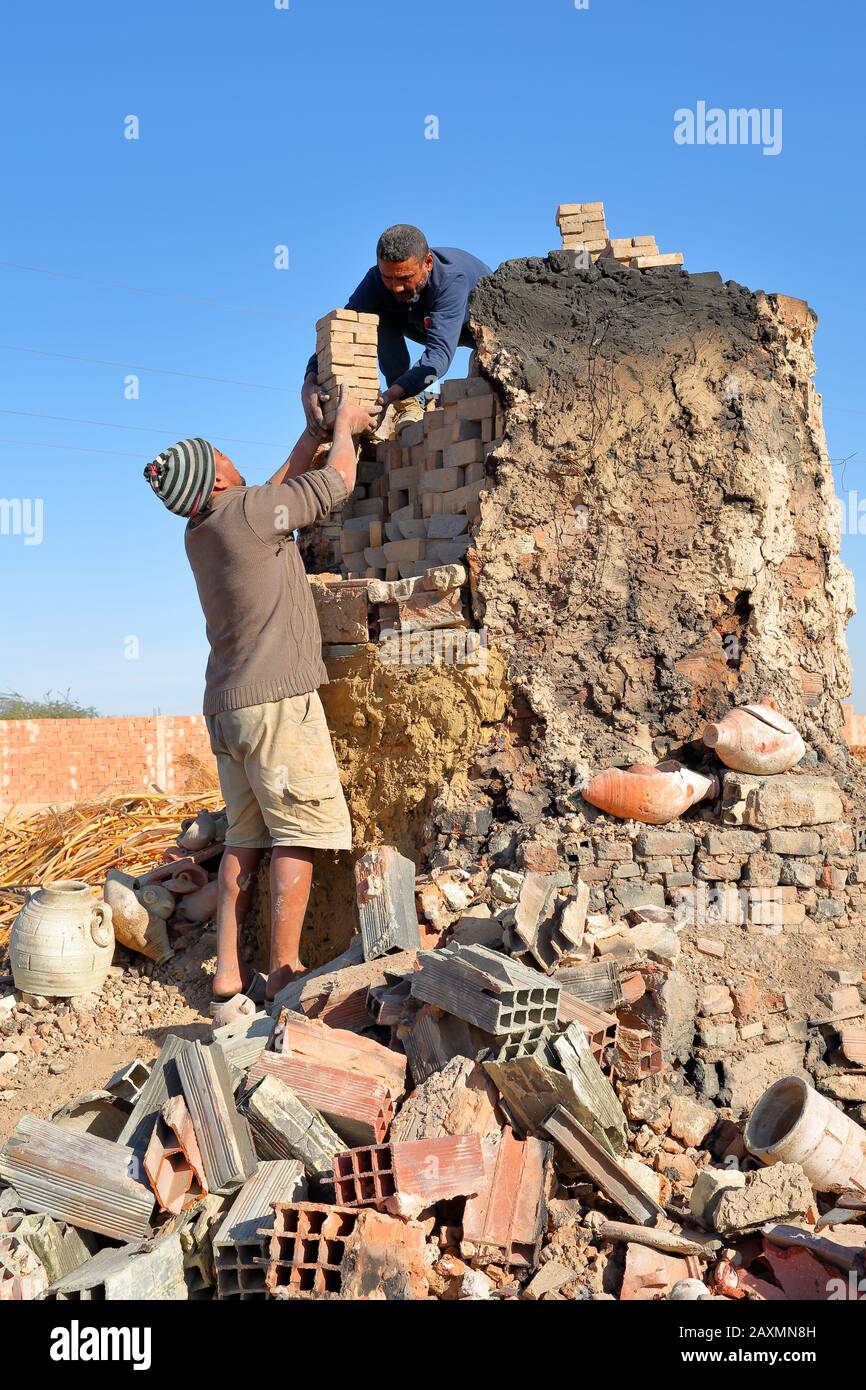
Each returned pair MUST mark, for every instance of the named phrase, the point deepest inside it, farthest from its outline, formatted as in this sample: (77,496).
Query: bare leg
(236,879)
(291,879)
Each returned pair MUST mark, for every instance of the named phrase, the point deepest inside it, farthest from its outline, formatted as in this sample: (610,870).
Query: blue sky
(305,127)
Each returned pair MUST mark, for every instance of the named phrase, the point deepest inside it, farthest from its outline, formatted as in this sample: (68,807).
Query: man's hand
(356,418)
(311,401)
(394,393)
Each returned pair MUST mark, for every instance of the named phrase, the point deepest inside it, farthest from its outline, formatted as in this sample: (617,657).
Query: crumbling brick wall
(61,760)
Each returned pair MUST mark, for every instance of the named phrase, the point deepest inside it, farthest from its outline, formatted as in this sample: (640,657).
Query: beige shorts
(279,776)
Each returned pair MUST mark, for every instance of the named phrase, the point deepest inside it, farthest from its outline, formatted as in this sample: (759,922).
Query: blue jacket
(438,318)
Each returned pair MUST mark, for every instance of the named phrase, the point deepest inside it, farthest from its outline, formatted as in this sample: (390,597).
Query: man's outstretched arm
(302,457)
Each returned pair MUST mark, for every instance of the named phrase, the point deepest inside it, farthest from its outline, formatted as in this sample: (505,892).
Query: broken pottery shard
(77,1178)
(240,1245)
(223,1135)
(284,1127)
(385,889)
(654,795)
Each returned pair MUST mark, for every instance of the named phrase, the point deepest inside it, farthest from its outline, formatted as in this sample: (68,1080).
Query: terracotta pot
(62,941)
(755,738)
(200,906)
(198,832)
(653,795)
(136,924)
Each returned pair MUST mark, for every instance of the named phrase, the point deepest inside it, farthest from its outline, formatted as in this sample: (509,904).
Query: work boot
(406,412)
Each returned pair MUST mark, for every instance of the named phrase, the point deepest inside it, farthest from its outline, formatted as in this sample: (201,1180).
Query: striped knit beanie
(183,476)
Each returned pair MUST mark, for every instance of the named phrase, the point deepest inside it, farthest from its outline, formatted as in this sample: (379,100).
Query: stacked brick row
(583,228)
(346,355)
(414,506)
(43,760)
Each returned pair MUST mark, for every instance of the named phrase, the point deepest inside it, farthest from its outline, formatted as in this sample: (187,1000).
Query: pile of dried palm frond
(87,839)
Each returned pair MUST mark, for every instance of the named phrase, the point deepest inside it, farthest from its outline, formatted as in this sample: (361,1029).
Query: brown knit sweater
(262,625)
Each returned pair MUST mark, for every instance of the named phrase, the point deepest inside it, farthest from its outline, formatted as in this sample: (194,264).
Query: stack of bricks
(413,509)
(346,355)
(583,227)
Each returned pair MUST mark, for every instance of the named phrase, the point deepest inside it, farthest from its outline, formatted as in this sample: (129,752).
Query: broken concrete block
(406,1178)
(285,1127)
(77,1178)
(458,1099)
(148,1270)
(770,1194)
(691,1122)
(240,1246)
(223,1135)
(505,1221)
(357,1107)
(488,990)
(788,800)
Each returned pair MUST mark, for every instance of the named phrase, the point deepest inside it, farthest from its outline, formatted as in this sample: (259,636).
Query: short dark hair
(402,243)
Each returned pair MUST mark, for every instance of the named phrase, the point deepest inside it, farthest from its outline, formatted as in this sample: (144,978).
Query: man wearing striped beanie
(267,727)
(183,476)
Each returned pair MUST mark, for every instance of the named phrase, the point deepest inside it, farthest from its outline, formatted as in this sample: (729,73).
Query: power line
(68,448)
(138,289)
(130,367)
(139,429)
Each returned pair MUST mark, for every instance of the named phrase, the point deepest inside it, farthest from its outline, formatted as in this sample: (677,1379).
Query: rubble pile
(473,1108)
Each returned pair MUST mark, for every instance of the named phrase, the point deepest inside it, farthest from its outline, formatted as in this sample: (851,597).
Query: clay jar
(62,941)
(755,738)
(653,795)
(140,914)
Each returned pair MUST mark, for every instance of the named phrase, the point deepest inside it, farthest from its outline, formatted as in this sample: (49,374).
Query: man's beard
(415,296)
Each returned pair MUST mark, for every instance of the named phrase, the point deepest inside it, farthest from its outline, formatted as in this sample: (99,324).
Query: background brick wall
(855,728)
(44,760)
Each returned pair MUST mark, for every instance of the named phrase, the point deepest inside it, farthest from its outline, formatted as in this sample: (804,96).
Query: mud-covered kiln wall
(660,539)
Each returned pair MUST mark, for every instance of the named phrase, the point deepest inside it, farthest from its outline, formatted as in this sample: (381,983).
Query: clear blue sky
(305,127)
